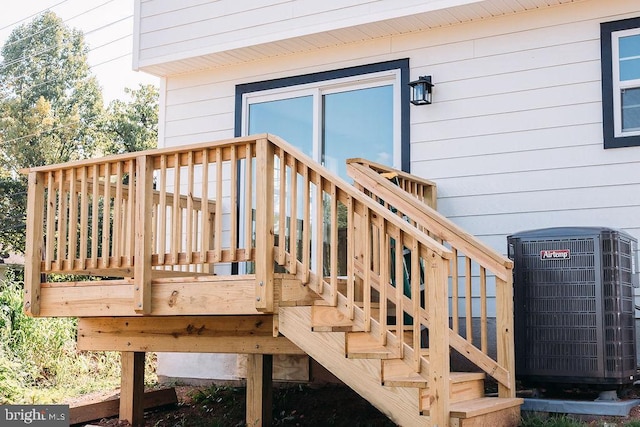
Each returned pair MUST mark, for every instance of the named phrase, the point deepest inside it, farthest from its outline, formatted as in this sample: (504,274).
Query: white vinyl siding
(168,30)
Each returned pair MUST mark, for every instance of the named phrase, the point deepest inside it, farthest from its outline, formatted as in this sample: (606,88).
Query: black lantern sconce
(421,90)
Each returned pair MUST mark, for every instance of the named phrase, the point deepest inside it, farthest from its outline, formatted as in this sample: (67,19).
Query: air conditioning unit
(574,305)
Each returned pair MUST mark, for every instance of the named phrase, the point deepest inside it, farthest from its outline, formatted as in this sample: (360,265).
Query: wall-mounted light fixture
(421,90)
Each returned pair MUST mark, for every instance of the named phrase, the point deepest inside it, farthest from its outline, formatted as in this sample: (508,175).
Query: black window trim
(606,29)
(398,64)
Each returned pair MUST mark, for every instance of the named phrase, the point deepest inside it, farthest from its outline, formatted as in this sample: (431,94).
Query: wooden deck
(247,246)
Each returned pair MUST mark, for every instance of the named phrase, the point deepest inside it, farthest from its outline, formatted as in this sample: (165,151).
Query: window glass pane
(630,110)
(291,119)
(629,54)
(358,123)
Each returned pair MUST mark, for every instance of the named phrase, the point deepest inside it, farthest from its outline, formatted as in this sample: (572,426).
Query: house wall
(514,136)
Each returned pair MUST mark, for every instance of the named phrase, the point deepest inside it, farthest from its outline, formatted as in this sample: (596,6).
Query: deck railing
(260,203)
(475,270)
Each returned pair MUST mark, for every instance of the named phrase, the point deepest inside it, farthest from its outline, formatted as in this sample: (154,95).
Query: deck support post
(132,387)
(259,390)
(35,240)
(439,366)
(264,226)
(504,338)
(143,227)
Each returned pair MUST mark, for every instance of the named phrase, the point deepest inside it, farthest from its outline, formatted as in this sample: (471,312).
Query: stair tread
(364,345)
(328,318)
(458,377)
(483,405)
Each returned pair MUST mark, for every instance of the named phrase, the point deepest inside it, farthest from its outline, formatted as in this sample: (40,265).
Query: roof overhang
(428,15)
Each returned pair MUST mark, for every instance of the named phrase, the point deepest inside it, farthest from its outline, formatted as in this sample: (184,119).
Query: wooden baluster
(117,217)
(189,210)
(176,235)
(484,346)
(351,254)
(334,245)
(455,316)
(162,207)
(319,234)
(248,201)
(73,219)
(218,199)
(131,215)
(84,217)
(51,218)
(205,242)
(306,225)
(415,299)
(367,225)
(62,221)
(95,211)
(282,208)
(106,216)
(468,299)
(399,273)
(293,219)
(384,278)
(233,203)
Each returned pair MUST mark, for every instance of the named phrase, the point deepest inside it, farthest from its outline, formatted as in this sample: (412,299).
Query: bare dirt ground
(225,406)
(298,405)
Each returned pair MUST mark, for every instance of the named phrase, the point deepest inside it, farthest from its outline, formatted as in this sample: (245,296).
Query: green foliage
(50,103)
(51,111)
(38,359)
(133,126)
(13,207)
(556,421)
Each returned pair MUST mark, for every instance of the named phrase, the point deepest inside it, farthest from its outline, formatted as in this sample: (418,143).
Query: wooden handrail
(437,224)
(351,191)
(374,179)
(410,183)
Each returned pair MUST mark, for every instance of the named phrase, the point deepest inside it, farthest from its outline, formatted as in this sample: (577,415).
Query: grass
(39,362)
(567,421)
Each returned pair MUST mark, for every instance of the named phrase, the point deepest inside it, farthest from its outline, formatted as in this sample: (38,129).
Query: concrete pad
(619,408)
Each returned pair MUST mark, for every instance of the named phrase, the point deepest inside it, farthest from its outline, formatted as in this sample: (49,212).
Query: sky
(107,25)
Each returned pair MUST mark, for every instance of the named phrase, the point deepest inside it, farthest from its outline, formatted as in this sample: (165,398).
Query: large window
(620,47)
(331,116)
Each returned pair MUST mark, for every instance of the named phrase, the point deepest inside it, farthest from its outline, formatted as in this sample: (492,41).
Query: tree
(51,111)
(50,104)
(133,126)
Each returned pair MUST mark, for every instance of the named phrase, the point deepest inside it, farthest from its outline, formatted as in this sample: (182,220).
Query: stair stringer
(400,404)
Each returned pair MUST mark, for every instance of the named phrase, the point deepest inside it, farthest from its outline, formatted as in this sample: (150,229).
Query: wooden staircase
(370,280)
(385,379)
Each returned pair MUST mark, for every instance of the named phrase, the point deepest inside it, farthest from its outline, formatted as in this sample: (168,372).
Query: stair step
(362,345)
(397,373)
(482,406)
(329,319)
(463,386)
